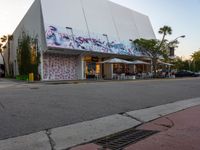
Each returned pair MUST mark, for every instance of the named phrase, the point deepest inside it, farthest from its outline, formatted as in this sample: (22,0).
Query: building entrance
(92,68)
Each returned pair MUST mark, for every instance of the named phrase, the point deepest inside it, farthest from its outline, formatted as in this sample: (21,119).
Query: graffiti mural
(69,38)
(59,67)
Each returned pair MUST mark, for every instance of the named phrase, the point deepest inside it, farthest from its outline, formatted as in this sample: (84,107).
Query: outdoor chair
(123,76)
(114,76)
(97,76)
(144,75)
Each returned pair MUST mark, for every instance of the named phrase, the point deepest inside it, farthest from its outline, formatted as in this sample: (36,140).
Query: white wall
(32,24)
(143,25)
(124,21)
(97,16)
(64,13)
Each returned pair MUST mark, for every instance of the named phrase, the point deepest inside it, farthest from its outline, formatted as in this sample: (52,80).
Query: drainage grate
(121,140)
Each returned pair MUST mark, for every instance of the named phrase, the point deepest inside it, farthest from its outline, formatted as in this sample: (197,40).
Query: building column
(80,68)
(41,65)
(108,71)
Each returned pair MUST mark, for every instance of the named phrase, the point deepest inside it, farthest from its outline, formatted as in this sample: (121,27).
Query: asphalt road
(30,108)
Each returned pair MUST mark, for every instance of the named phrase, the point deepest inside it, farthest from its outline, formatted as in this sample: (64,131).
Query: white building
(74,35)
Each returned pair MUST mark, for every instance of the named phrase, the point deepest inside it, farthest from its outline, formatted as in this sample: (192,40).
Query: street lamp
(132,44)
(182,36)
(106,36)
(172,47)
(72,34)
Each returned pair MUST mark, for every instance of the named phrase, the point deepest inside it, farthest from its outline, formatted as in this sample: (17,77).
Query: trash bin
(31,77)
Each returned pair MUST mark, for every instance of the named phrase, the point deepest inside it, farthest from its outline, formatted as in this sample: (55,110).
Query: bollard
(31,77)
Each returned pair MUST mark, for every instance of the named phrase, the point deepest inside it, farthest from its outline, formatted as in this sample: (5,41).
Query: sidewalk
(57,82)
(177,131)
(9,83)
(5,83)
(174,126)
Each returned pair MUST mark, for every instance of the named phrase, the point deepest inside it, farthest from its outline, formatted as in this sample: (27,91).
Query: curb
(84,132)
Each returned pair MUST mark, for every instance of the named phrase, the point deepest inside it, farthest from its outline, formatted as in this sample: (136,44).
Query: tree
(155,48)
(181,64)
(165,30)
(196,61)
(23,54)
(3,41)
(28,57)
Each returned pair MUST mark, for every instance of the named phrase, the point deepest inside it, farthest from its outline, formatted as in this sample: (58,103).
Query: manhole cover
(121,140)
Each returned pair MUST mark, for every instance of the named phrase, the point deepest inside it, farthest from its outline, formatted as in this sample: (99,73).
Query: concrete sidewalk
(179,130)
(13,83)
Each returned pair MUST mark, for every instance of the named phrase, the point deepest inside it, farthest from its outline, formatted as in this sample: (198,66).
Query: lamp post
(72,34)
(175,40)
(108,45)
(182,36)
(172,47)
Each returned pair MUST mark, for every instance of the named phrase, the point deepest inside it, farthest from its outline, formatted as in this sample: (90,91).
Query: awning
(139,62)
(164,63)
(116,61)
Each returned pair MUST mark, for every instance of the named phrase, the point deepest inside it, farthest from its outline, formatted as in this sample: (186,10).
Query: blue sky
(181,15)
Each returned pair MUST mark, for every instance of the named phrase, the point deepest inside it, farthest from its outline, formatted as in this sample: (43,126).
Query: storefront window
(118,68)
(98,68)
(92,67)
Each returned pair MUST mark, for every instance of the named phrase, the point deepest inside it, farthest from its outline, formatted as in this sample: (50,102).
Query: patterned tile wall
(59,67)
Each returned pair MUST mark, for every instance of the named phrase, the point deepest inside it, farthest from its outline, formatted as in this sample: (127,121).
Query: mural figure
(58,37)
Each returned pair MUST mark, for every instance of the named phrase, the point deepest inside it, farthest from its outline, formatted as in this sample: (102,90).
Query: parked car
(198,74)
(186,73)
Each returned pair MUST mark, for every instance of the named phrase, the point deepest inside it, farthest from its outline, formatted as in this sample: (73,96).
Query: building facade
(74,36)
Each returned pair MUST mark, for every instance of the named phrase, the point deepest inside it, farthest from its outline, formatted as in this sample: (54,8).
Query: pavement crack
(166,125)
(171,121)
(51,141)
(2,106)
(129,116)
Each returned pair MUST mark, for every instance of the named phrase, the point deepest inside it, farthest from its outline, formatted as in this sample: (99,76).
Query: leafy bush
(28,57)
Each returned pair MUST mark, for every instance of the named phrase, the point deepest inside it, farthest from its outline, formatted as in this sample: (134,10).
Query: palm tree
(3,41)
(2,47)
(155,47)
(9,38)
(165,30)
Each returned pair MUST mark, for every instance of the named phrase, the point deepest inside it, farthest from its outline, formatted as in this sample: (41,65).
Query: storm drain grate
(121,140)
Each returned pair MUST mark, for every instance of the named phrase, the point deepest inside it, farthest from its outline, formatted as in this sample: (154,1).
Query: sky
(183,16)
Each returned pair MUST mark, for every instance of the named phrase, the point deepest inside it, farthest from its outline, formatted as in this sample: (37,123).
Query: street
(30,108)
